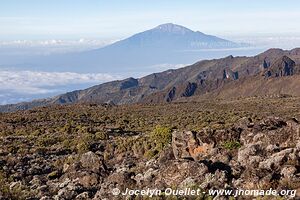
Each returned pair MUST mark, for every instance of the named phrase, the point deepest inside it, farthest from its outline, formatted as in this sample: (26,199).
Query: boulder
(288,171)
(276,160)
(176,172)
(91,162)
(82,196)
(249,155)
(186,145)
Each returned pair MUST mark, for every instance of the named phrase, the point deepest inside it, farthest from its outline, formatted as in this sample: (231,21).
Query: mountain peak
(172,28)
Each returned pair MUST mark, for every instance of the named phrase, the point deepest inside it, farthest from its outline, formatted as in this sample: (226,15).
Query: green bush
(101,135)
(150,154)
(4,186)
(53,175)
(230,145)
(47,141)
(161,136)
(82,146)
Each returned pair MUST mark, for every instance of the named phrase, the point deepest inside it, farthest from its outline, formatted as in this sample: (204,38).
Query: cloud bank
(36,82)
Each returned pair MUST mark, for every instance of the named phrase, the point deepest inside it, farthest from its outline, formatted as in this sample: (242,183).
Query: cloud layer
(35,82)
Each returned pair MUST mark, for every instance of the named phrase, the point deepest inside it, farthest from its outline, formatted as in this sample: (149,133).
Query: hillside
(83,151)
(274,72)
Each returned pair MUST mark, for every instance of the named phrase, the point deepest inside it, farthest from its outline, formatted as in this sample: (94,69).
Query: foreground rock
(249,155)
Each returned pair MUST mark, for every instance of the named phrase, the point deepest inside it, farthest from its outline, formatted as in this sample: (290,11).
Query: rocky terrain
(273,73)
(84,151)
(220,124)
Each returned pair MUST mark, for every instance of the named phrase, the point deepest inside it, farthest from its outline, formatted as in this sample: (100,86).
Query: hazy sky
(111,19)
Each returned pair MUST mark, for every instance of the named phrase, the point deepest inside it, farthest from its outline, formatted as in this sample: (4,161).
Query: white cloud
(35,82)
(51,46)
(56,42)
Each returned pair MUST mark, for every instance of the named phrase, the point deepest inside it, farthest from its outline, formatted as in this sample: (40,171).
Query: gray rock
(276,160)
(82,196)
(65,194)
(248,155)
(15,185)
(45,198)
(187,146)
(216,180)
(91,161)
(288,171)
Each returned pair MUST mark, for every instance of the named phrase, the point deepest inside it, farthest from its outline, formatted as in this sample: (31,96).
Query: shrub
(85,142)
(82,147)
(161,136)
(230,145)
(101,135)
(4,186)
(47,141)
(53,175)
(150,154)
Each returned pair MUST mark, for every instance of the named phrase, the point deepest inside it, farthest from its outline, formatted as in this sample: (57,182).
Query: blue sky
(72,19)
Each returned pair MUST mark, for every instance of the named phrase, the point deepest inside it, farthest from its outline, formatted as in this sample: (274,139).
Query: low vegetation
(46,141)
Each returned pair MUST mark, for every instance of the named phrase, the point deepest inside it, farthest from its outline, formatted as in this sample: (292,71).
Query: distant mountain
(171,37)
(273,73)
(166,43)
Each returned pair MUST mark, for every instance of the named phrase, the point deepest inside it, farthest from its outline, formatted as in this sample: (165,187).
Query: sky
(117,19)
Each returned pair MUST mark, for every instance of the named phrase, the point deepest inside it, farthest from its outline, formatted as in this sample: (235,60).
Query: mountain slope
(171,37)
(229,77)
